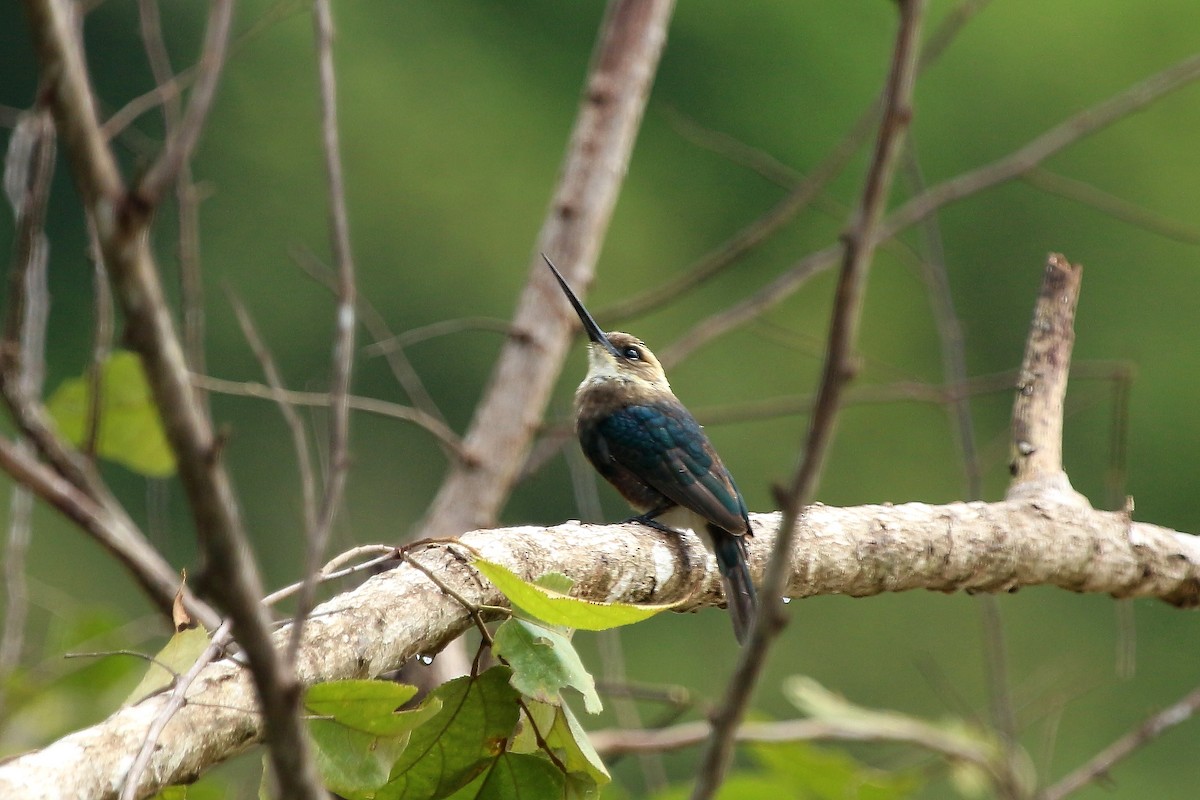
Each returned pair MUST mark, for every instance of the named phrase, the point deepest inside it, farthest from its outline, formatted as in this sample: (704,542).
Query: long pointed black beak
(589,325)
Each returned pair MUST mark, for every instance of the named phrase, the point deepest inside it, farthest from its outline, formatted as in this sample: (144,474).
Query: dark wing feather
(666,448)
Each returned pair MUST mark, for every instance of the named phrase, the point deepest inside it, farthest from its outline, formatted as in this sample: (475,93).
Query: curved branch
(860,551)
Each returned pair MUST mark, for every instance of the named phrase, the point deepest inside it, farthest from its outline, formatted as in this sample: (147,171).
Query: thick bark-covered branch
(1048,539)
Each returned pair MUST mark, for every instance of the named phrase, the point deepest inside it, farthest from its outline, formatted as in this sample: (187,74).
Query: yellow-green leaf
(178,656)
(131,432)
(560,609)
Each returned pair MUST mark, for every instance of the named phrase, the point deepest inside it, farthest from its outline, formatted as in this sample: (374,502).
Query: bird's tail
(735,577)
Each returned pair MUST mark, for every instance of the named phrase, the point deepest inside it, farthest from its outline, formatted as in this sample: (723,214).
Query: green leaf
(131,432)
(368,706)
(176,657)
(544,662)
(476,718)
(358,746)
(515,776)
(570,744)
(557,608)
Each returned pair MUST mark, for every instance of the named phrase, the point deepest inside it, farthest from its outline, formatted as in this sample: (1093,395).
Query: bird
(642,440)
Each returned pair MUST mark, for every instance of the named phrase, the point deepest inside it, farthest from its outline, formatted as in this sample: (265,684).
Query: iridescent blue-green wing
(664,446)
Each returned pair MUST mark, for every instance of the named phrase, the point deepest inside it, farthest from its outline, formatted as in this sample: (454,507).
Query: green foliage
(131,431)
(478,715)
(544,662)
(363,734)
(558,608)
(563,735)
(511,776)
(177,656)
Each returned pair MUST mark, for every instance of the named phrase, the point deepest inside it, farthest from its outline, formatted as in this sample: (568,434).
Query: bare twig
(102,334)
(304,462)
(220,639)
(800,194)
(398,361)
(444,327)
(1113,206)
(1103,762)
(182,141)
(1014,165)
(190,284)
(174,702)
(322,400)
(1038,150)
(345,321)
(839,369)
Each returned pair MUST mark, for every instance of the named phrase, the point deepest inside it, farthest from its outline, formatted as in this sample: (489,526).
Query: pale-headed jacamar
(644,442)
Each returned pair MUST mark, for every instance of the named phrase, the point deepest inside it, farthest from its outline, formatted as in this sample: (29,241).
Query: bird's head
(615,356)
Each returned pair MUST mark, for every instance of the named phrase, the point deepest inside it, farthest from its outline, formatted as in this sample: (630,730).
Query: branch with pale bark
(1046,538)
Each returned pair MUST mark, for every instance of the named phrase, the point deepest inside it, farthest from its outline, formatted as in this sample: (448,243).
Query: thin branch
(304,461)
(1063,135)
(220,639)
(174,702)
(445,327)
(1113,206)
(345,322)
(402,369)
(1014,165)
(801,192)
(756,232)
(102,335)
(322,400)
(839,369)
(190,284)
(1103,762)
(182,141)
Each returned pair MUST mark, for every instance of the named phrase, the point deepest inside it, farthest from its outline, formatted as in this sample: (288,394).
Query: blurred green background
(454,117)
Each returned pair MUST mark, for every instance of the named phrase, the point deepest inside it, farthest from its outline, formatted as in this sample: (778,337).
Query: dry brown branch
(859,247)
(861,551)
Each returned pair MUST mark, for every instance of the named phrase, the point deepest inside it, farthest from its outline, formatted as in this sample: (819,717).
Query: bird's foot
(650,522)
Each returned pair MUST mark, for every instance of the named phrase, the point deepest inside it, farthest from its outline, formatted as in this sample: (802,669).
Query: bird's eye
(632,353)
